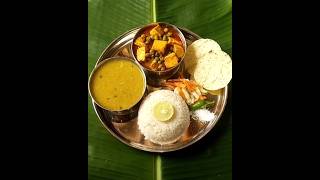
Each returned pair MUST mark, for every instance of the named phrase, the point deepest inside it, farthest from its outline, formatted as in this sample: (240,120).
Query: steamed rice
(163,132)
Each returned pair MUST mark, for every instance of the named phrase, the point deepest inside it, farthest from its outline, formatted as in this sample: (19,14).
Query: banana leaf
(209,158)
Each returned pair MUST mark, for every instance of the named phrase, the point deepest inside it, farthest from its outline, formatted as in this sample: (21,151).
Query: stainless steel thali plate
(128,132)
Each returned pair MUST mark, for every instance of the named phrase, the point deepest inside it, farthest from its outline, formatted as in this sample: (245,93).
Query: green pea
(154,61)
(165,38)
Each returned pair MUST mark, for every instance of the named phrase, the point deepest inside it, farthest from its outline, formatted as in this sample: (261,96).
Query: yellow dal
(117,84)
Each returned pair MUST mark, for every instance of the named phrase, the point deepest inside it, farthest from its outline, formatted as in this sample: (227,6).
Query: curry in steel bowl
(160,49)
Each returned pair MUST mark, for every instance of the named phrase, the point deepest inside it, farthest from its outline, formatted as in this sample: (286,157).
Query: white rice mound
(163,132)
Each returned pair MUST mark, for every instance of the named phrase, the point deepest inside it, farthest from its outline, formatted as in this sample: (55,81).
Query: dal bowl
(118,85)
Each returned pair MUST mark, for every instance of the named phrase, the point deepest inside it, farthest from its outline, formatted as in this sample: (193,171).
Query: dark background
(44,72)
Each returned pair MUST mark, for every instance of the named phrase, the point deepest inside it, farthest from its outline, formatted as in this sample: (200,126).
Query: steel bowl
(125,114)
(156,77)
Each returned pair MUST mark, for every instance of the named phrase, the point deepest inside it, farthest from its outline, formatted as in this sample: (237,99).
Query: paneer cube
(171,60)
(139,42)
(173,41)
(159,45)
(156,31)
(141,53)
(178,50)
